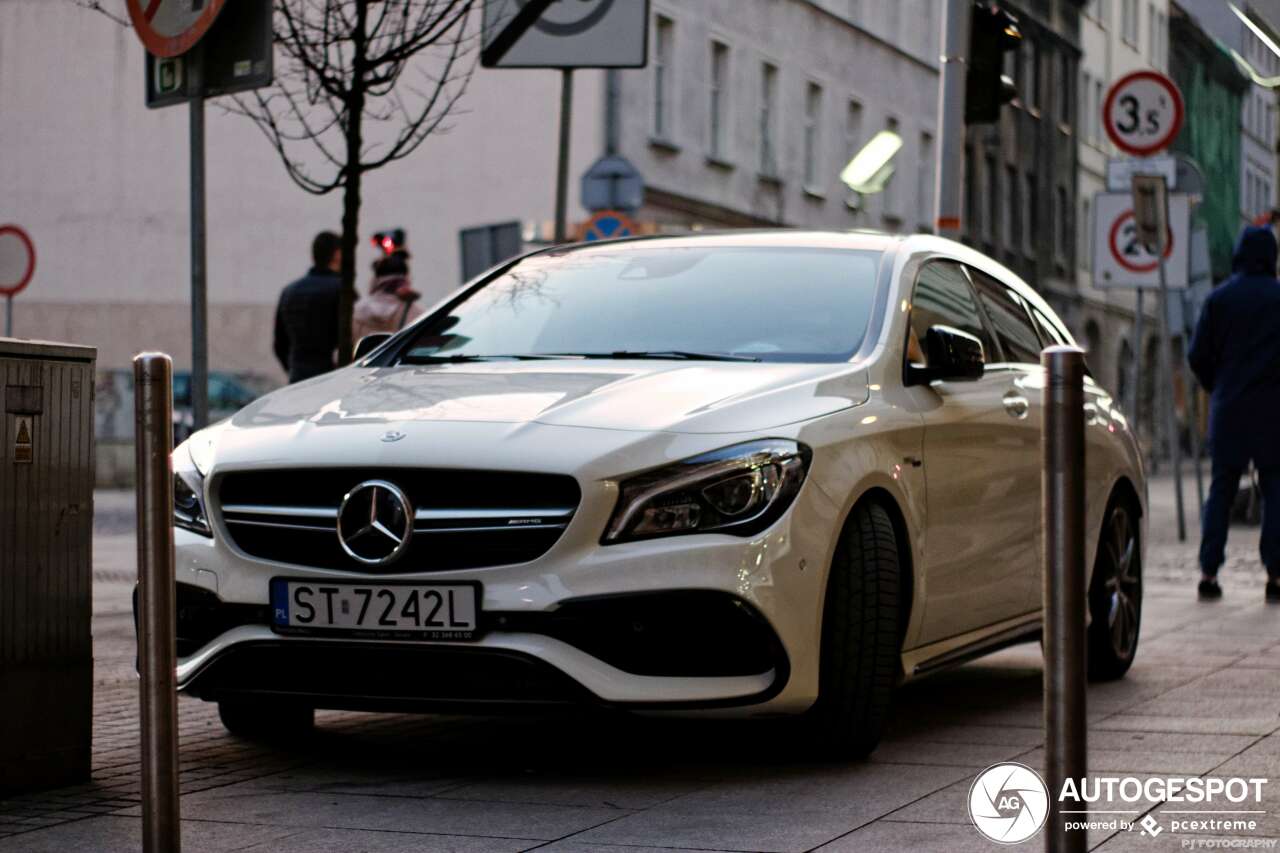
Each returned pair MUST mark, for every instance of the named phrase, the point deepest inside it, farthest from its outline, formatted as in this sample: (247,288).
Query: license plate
(411,611)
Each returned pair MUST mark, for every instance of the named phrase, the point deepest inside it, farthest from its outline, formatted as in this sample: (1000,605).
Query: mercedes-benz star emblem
(392,435)
(375,522)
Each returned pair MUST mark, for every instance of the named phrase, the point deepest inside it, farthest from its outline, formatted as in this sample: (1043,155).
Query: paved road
(1202,699)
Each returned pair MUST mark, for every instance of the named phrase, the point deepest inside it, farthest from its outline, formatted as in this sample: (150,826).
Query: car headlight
(188,493)
(739,490)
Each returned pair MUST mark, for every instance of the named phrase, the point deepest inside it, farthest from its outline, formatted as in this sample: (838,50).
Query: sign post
(1151,215)
(195,52)
(565,36)
(17,266)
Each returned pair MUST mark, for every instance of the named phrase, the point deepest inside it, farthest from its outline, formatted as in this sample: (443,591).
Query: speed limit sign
(1142,113)
(1119,257)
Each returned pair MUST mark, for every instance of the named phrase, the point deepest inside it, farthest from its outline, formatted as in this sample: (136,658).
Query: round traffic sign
(169,28)
(1128,250)
(17,260)
(1143,112)
(608,224)
(565,19)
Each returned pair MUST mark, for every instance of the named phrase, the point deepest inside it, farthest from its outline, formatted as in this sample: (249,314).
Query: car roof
(763,237)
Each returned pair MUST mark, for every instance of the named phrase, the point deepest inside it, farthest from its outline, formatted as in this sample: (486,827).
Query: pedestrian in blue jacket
(1236,356)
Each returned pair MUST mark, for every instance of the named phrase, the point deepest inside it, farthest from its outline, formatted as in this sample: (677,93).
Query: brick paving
(1202,699)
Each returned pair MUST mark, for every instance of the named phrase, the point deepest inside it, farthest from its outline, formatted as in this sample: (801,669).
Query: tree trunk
(351,186)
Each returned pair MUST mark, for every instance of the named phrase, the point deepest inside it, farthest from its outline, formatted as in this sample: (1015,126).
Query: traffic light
(993,32)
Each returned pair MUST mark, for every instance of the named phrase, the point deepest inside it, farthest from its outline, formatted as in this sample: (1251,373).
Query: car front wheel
(860,637)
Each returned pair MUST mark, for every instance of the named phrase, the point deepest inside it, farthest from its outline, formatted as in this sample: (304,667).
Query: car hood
(688,397)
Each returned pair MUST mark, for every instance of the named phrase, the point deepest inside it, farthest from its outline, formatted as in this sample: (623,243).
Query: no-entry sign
(172,27)
(1143,113)
(1120,259)
(17,260)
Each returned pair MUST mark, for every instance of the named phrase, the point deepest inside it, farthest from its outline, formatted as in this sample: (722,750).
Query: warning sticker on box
(22,440)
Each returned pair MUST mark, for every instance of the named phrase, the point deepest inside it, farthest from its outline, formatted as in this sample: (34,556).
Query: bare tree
(360,84)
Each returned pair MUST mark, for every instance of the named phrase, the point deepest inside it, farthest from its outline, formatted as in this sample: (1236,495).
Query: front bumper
(624,649)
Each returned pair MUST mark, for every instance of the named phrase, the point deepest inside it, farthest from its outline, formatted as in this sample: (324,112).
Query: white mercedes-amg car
(760,473)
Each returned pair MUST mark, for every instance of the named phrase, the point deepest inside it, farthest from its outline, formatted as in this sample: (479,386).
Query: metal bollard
(1062,455)
(153,433)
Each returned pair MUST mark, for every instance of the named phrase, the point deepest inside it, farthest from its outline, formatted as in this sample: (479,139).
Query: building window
(889,196)
(852,130)
(1086,92)
(1029,223)
(1062,228)
(1084,237)
(1129,21)
(768,110)
(718,97)
(487,245)
(991,217)
(1064,93)
(664,30)
(812,135)
(1029,84)
(1153,35)
(970,193)
(924,183)
(1096,113)
(1013,210)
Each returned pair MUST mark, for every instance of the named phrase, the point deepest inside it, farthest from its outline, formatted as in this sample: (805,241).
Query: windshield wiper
(662,355)
(463,358)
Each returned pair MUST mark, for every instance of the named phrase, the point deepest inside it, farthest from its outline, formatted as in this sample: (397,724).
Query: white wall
(100,182)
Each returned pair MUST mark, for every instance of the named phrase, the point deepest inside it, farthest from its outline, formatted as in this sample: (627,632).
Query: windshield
(632,300)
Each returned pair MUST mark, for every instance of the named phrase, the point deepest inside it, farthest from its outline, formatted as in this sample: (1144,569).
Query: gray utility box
(46,563)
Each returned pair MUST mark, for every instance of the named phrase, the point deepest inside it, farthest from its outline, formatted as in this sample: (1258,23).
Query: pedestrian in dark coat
(306,338)
(1236,356)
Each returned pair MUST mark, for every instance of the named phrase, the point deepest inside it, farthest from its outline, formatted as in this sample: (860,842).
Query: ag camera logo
(1008,802)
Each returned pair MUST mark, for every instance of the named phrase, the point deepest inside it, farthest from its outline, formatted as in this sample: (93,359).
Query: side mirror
(369,343)
(952,355)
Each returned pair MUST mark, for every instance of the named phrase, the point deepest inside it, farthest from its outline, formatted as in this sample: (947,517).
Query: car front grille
(462,519)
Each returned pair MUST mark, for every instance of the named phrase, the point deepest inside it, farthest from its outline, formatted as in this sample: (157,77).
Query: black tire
(265,719)
(860,636)
(1115,594)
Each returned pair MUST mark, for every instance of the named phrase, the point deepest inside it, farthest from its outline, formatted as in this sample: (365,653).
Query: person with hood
(1235,354)
(391,303)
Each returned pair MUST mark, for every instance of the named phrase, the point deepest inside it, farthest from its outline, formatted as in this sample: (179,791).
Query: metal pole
(199,291)
(1062,455)
(949,177)
(1170,417)
(611,99)
(153,436)
(8,315)
(1135,398)
(1193,426)
(562,169)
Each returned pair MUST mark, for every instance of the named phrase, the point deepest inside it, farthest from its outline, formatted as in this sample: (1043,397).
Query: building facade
(733,124)
(1020,173)
(1118,37)
(1251,44)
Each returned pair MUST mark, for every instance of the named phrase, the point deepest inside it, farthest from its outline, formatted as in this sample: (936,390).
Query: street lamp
(872,167)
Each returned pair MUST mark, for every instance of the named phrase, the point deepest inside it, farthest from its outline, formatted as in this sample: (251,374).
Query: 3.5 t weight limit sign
(1143,113)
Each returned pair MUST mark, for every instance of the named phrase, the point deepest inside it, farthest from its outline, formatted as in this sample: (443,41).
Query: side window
(943,297)
(1049,332)
(1009,316)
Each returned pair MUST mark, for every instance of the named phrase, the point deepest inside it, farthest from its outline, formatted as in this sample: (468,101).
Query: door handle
(1016,405)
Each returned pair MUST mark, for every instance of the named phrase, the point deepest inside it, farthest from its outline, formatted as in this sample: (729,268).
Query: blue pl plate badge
(279,602)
